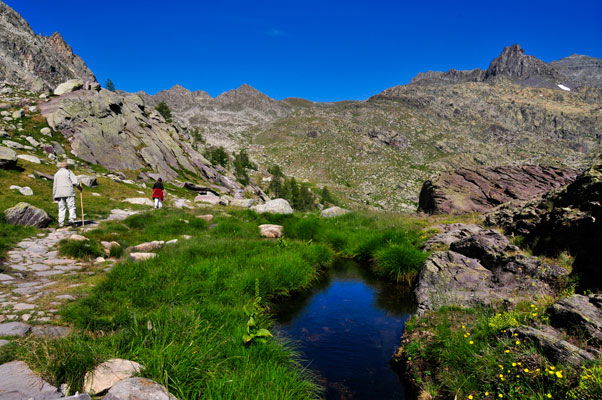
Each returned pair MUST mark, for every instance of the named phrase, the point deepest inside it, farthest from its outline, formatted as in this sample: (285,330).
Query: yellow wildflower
(506,351)
(552,368)
(486,393)
(559,374)
(471,342)
(517,342)
(500,395)
(514,364)
(526,370)
(549,396)
(470,397)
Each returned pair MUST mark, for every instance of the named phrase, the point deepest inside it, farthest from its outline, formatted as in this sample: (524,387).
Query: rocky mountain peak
(32,61)
(514,64)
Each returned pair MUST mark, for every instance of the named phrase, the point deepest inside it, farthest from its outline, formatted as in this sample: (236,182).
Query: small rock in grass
(78,238)
(46,131)
(186,237)
(172,241)
(271,230)
(333,212)
(110,372)
(30,158)
(143,201)
(3,342)
(99,260)
(148,246)
(208,217)
(138,388)
(142,256)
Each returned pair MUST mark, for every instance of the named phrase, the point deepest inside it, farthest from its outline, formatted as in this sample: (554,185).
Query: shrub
(164,110)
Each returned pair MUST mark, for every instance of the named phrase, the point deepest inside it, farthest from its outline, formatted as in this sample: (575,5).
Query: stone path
(36,281)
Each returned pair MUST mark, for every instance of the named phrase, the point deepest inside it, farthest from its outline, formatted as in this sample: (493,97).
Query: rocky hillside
(377,153)
(220,120)
(35,61)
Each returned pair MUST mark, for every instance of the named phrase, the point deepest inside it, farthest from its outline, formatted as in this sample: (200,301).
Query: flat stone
(14,329)
(23,306)
(138,389)
(78,238)
(18,382)
(50,331)
(207,217)
(108,374)
(65,297)
(4,277)
(49,273)
(143,201)
(29,158)
(4,342)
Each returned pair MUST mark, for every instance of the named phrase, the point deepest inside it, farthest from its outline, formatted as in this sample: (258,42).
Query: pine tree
(326,197)
(109,85)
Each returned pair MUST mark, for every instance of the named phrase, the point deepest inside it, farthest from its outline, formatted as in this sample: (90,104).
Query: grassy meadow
(183,314)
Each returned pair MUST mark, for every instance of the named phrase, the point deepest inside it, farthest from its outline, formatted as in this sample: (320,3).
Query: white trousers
(64,204)
(158,202)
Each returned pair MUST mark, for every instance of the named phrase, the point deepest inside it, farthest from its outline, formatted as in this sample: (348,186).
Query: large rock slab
(26,214)
(141,256)
(480,190)
(138,389)
(276,206)
(208,198)
(107,374)
(18,382)
(578,314)
(8,158)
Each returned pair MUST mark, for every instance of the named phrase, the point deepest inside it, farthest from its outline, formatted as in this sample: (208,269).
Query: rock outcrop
(119,132)
(480,190)
(138,389)
(567,219)
(35,61)
(26,214)
(107,374)
(481,269)
(579,315)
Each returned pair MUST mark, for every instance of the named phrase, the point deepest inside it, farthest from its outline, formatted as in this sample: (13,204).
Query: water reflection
(347,328)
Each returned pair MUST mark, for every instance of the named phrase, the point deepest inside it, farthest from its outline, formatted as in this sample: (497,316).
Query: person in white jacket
(63,192)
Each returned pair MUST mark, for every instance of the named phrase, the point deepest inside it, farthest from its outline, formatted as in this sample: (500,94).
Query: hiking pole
(81,197)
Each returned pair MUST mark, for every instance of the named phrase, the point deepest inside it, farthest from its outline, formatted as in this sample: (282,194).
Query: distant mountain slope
(35,61)
(583,70)
(220,119)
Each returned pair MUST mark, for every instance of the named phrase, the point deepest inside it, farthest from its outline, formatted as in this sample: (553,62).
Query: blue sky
(320,50)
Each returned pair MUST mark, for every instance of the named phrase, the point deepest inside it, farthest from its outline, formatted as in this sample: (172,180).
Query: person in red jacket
(158,193)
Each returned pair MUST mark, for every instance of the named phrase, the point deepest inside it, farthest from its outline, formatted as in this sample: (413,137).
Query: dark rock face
(34,61)
(26,214)
(477,270)
(480,190)
(566,219)
(520,68)
(580,315)
(451,76)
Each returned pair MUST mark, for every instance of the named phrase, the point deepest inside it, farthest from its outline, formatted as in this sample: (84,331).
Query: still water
(347,329)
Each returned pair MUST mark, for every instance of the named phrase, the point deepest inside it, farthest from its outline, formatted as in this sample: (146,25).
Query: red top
(157,194)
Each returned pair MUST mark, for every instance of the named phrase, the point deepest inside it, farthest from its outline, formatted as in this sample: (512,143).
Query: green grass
(182,314)
(81,249)
(492,360)
(12,234)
